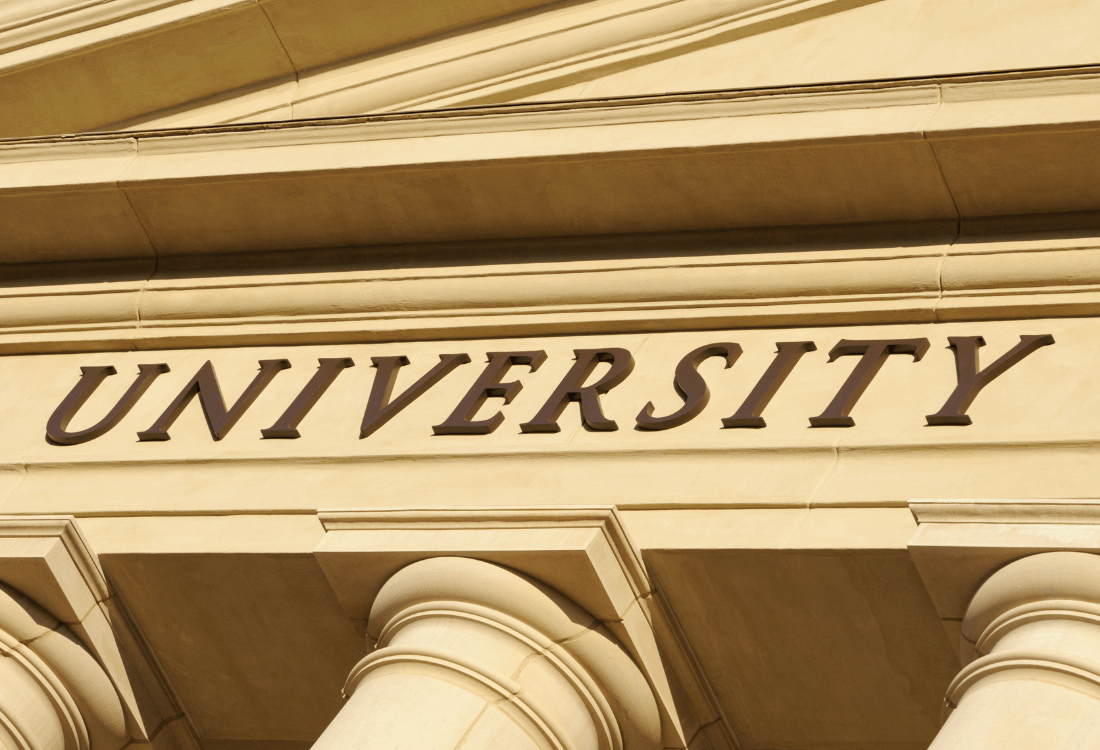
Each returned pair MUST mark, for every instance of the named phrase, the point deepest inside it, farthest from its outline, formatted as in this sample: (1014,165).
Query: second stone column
(476,656)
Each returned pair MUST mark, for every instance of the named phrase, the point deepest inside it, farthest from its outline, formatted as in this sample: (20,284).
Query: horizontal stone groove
(789,287)
(813,477)
(588,453)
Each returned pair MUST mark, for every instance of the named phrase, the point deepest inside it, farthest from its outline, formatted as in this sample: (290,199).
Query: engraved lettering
(380,409)
(572,388)
(286,426)
(90,378)
(205,386)
(787,356)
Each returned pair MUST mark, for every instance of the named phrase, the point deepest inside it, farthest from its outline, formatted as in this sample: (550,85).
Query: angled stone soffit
(583,552)
(566,44)
(47,559)
(273,71)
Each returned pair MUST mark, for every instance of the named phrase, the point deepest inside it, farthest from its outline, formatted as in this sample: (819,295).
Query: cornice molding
(703,176)
(88,68)
(47,21)
(174,308)
(562,43)
(71,601)
(606,519)
(1013,512)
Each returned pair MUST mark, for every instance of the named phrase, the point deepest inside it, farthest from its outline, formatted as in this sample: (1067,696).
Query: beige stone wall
(305,179)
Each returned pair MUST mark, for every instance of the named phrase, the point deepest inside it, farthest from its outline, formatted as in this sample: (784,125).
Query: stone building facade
(526,375)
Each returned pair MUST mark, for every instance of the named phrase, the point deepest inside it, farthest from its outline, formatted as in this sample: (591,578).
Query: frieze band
(383,405)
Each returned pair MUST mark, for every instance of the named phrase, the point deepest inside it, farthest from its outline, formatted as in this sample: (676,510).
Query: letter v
(379,407)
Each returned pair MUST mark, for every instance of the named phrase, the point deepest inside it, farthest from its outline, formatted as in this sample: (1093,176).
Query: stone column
(54,695)
(1032,633)
(475,656)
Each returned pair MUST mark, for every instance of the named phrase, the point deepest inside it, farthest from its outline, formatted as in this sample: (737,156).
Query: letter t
(875,354)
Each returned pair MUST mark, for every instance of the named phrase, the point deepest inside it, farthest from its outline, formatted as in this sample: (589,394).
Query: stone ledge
(817,156)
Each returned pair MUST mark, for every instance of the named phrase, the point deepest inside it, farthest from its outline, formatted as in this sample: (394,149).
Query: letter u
(90,379)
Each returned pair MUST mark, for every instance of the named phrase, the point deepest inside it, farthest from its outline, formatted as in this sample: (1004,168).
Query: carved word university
(383,405)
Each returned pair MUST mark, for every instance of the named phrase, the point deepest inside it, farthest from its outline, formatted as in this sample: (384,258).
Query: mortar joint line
(148,238)
(951,195)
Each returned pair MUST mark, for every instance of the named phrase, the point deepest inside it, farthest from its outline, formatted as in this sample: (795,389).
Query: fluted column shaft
(1033,634)
(477,656)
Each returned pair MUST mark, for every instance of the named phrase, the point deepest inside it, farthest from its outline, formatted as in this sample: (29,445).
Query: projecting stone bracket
(48,561)
(961,543)
(581,552)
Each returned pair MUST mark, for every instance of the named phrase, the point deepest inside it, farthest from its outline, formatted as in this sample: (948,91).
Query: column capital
(1050,581)
(570,657)
(54,695)
(1018,621)
(582,553)
(959,544)
(53,591)
(1017,585)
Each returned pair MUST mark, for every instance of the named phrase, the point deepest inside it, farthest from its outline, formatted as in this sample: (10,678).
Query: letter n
(205,386)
